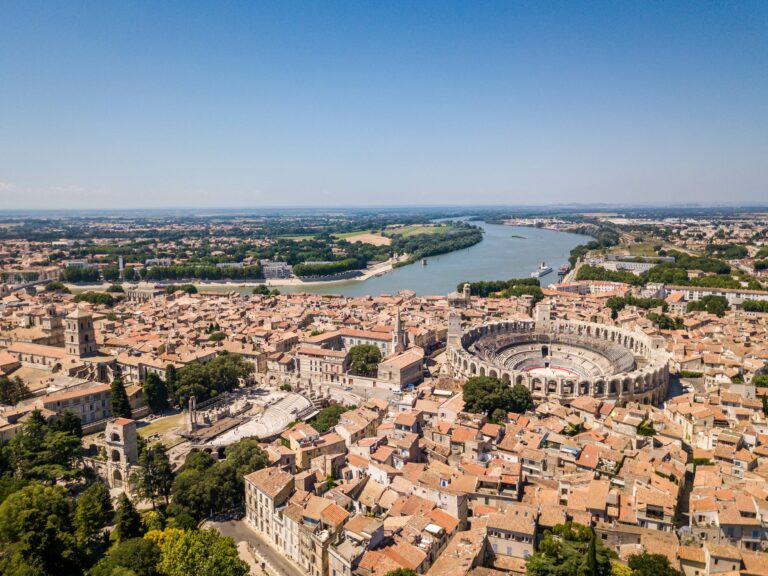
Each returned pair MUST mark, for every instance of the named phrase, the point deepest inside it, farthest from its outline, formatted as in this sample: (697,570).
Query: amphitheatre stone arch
(563,359)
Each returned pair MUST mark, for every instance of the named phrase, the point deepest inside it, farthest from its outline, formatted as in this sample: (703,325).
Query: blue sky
(152,104)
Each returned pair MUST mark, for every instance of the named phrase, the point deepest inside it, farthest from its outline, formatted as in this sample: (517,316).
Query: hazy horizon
(194,105)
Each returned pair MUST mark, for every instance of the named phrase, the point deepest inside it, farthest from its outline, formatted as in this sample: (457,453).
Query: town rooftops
(123,421)
(270,481)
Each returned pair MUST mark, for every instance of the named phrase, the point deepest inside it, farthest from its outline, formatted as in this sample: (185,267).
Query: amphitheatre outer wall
(644,378)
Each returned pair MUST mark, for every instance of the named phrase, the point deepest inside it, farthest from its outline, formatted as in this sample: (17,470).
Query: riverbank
(296,284)
(367,273)
(498,257)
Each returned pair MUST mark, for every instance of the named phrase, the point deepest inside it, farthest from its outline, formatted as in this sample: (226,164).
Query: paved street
(241,532)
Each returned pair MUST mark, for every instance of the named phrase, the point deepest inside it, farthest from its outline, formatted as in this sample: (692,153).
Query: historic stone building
(79,337)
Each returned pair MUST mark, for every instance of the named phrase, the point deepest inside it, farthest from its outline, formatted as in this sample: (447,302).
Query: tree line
(56,517)
(461,235)
(505,288)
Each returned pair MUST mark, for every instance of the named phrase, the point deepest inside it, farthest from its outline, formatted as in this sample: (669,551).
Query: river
(500,256)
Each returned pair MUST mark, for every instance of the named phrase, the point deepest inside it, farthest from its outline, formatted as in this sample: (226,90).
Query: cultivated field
(415,229)
(366,237)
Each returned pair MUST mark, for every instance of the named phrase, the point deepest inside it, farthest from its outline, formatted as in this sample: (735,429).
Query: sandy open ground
(367,238)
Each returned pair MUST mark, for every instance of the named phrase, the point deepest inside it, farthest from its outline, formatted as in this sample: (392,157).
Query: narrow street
(239,531)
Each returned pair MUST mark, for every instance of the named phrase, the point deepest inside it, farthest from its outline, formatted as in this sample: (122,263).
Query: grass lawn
(162,426)
(415,229)
(641,249)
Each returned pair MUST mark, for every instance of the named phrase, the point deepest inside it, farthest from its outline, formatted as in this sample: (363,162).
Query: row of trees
(327,268)
(727,251)
(618,303)
(588,272)
(189,272)
(97,298)
(188,288)
(755,305)
(486,288)
(76,274)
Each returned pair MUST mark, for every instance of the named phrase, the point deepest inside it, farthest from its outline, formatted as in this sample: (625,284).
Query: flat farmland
(366,237)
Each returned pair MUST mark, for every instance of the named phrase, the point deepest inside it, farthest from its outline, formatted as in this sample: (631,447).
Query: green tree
(245,456)
(188,288)
(57,287)
(646,564)
(197,460)
(200,552)
(138,555)
(520,399)
(401,572)
(760,380)
(92,512)
(364,359)
(171,380)
(70,423)
(592,567)
(97,298)
(12,390)
(205,381)
(154,476)
(38,451)
(261,289)
(155,393)
(127,519)
(35,532)
(204,486)
(498,416)
(121,406)
(712,304)
(618,569)
(328,417)
(565,551)
(486,394)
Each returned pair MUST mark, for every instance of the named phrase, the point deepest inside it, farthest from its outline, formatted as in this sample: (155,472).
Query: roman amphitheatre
(561,360)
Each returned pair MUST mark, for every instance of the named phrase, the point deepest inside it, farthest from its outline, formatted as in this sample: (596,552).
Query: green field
(415,229)
(642,249)
(162,426)
(352,234)
(297,237)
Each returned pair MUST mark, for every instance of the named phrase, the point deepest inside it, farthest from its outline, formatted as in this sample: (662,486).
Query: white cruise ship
(542,270)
